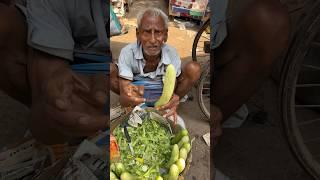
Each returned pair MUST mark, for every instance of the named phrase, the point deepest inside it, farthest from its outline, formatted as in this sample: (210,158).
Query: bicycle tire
(296,54)
(201,99)
(197,38)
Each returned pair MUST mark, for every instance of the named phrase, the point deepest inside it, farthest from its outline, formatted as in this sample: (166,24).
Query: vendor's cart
(197,9)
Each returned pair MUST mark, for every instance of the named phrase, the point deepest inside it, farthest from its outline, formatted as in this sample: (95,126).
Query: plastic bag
(115,26)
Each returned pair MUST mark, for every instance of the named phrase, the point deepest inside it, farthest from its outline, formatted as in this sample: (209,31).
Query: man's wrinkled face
(152,34)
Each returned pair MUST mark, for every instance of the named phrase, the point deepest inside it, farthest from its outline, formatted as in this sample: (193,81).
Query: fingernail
(84,120)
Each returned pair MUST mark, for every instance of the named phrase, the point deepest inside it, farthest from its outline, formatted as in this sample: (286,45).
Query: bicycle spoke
(307,106)
(311,67)
(312,140)
(315,44)
(308,122)
(308,85)
(208,38)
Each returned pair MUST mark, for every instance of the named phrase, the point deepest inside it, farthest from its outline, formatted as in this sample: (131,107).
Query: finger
(137,100)
(141,90)
(128,90)
(97,96)
(100,88)
(169,105)
(79,84)
(169,114)
(58,94)
(91,124)
(137,91)
(175,118)
(75,123)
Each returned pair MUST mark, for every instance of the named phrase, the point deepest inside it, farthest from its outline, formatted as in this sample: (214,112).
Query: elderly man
(147,58)
(38,40)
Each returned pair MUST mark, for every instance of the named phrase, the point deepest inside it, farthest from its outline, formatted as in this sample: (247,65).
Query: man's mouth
(153,48)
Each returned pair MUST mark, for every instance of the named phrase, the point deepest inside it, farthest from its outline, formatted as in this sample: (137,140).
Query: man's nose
(153,37)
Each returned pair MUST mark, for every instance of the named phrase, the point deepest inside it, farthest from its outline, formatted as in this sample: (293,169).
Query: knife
(126,133)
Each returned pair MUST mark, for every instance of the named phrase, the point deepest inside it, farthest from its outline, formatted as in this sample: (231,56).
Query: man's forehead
(148,21)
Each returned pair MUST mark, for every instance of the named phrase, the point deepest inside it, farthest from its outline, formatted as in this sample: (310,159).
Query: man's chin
(152,53)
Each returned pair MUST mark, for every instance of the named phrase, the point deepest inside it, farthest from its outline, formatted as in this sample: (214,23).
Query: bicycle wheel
(201,43)
(203,92)
(300,93)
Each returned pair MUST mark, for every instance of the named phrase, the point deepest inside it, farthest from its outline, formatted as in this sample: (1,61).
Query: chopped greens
(151,144)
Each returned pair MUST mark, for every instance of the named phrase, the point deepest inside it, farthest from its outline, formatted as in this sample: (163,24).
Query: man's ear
(137,32)
(166,36)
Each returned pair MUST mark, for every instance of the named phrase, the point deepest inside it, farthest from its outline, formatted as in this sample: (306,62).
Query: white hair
(154,12)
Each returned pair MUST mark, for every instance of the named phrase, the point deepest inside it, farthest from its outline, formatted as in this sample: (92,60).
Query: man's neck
(152,59)
(152,62)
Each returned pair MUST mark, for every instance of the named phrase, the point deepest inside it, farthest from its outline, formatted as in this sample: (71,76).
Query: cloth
(218,22)
(131,63)
(61,28)
(224,13)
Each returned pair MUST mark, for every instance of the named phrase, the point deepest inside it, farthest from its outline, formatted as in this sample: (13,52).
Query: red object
(114,149)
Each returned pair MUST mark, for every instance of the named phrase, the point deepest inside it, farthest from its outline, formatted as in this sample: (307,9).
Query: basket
(175,129)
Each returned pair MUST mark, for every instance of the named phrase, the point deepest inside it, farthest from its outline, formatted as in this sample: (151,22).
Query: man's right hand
(130,95)
(65,104)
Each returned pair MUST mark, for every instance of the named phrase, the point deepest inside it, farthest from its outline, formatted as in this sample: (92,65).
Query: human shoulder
(171,53)
(129,48)
(170,49)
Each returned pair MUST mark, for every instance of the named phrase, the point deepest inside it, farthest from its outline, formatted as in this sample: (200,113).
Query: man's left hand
(171,107)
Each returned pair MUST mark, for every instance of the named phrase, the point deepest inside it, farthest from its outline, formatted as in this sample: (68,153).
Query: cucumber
(184,139)
(178,136)
(159,178)
(113,167)
(173,172)
(183,153)
(169,82)
(187,146)
(127,176)
(174,155)
(119,169)
(181,163)
(113,176)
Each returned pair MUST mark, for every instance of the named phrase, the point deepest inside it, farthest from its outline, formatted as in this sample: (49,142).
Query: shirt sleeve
(124,64)
(49,28)
(175,60)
